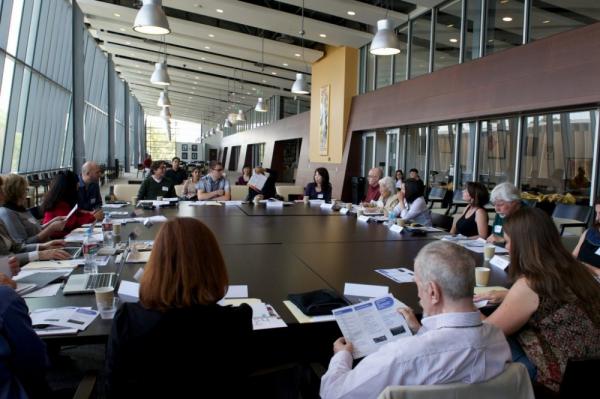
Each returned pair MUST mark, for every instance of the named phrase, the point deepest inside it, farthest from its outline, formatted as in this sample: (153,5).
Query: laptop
(38,280)
(86,283)
(75,252)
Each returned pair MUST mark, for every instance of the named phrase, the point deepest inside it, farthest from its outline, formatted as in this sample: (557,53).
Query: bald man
(89,197)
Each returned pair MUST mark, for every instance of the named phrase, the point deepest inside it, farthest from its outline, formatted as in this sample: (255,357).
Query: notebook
(37,280)
(86,283)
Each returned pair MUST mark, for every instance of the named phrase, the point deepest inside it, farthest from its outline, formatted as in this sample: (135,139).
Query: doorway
(286,155)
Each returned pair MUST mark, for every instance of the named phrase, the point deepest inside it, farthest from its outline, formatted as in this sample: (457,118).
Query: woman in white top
(387,200)
(399,179)
(189,187)
(411,203)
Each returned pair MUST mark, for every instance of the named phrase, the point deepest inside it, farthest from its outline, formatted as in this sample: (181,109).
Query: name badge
(597,251)
(363,218)
(165,188)
(319,196)
(344,211)
(497,229)
(396,228)
(500,262)
(92,201)
(326,206)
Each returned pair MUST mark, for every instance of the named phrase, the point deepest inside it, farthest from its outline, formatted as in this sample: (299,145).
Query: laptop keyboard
(100,280)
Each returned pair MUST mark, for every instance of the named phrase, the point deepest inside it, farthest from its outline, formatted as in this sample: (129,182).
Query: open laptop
(86,283)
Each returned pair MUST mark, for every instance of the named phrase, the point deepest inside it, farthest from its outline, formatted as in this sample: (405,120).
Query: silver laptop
(86,283)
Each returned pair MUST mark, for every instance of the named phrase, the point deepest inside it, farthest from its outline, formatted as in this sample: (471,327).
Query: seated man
(507,200)
(89,197)
(176,174)
(214,186)
(373,178)
(452,345)
(156,185)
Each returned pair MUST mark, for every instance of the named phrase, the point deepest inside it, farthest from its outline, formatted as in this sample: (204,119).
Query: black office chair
(441,221)
(577,215)
(579,378)
(436,194)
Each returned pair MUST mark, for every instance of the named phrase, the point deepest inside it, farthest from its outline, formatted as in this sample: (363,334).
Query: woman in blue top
(320,188)
(588,247)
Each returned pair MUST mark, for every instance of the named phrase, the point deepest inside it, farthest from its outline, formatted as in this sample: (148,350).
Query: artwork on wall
(194,155)
(184,147)
(184,155)
(324,121)
(194,147)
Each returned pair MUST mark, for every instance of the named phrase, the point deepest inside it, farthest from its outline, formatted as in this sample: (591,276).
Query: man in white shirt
(452,345)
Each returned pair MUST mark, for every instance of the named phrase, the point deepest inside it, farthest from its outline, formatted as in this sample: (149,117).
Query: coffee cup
(349,206)
(482,276)
(333,201)
(104,296)
(134,201)
(488,251)
(305,199)
(400,222)
(117,228)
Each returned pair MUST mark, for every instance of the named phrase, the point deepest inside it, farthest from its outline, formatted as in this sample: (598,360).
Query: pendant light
(260,105)
(300,86)
(151,19)
(241,117)
(386,41)
(160,76)
(163,100)
(227,123)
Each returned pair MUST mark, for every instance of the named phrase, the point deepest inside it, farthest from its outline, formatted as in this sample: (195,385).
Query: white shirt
(450,347)
(417,211)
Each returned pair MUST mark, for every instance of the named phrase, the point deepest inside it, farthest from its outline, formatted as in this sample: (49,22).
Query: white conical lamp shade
(386,41)
(165,113)
(240,116)
(227,123)
(260,105)
(163,100)
(300,86)
(151,19)
(160,76)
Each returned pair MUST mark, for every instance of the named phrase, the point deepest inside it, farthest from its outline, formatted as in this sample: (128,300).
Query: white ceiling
(208,63)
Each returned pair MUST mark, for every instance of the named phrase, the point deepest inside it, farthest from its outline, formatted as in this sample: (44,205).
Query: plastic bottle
(391,217)
(89,253)
(107,230)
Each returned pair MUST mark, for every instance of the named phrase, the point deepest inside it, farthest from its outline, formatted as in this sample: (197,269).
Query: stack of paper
(46,265)
(67,320)
(114,206)
(204,203)
(79,237)
(399,275)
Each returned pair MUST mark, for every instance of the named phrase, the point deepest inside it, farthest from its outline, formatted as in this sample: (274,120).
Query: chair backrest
(124,192)
(437,192)
(579,378)
(179,190)
(285,191)
(457,196)
(512,383)
(239,193)
(441,221)
(580,213)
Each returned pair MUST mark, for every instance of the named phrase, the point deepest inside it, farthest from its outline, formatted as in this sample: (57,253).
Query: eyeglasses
(218,170)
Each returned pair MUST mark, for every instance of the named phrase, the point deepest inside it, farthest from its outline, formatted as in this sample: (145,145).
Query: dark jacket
(201,351)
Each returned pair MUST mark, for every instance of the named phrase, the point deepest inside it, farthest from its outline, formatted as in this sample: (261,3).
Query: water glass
(108,309)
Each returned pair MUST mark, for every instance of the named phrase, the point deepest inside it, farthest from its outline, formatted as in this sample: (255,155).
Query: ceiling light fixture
(163,100)
(300,86)
(219,11)
(507,19)
(116,15)
(453,40)
(160,76)
(386,41)
(260,105)
(151,19)
(322,35)
(546,21)
(241,117)
(352,13)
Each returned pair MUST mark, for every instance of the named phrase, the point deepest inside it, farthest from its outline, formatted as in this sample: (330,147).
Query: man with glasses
(214,186)
(157,185)
(373,178)
(507,200)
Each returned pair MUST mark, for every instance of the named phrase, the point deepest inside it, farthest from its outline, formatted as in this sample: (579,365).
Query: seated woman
(156,185)
(189,188)
(473,222)
(552,311)
(177,339)
(23,359)
(61,198)
(19,222)
(245,177)
(399,176)
(587,248)
(388,198)
(268,190)
(320,188)
(411,203)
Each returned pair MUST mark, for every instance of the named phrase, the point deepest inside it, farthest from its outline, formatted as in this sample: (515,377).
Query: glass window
(505,25)
(369,71)
(473,30)
(447,35)
(497,151)
(557,154)
(384,71)
(467,153)
(548,19)
(419,51)
(400,58)
(442,153)
(416,142)
(392,152)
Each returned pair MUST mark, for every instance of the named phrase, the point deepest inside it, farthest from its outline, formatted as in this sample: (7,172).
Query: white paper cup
(104,296)
(482,276)
(488,251)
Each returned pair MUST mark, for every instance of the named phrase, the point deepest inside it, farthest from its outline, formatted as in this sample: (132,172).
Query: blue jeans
(519,356)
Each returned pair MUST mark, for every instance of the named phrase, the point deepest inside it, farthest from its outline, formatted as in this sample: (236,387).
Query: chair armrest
(86,386)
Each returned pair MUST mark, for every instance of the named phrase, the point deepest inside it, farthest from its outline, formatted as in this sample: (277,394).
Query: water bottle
(391,217)
(89,253)
(107,231)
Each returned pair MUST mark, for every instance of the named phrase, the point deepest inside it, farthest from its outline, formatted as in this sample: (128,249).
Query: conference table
(276,252)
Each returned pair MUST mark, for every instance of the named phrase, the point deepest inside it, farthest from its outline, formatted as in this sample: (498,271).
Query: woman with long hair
(189,188)
(320,187)
(552,311)
(61,198)
(177,339)
(473,222)
(412,204)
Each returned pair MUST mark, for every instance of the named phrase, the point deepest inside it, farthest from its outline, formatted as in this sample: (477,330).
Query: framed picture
(194,155)
(194,148)
(324,120)
(496,145)
(184,147)
(184,155)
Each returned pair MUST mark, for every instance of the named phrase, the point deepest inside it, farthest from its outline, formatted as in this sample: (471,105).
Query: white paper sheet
(67,317)
(49,290)
(365,290)
(114,206)
(237,291)
(399,275)
(204,203)
(129,291)
(72,212)
(265,317)
(257,180)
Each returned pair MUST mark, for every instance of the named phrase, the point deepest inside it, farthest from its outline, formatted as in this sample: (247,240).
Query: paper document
(371,324)
(232,203)
(138,257)
(72,212)
(113,206)
(79,237)
(153,219)
(205,203)
(129,291)
(49,290)
(24,288)
(67,317)
(302,318)
(237,291)
(477,245)
(362,292)
(264,317)
(399,275)
(257,180)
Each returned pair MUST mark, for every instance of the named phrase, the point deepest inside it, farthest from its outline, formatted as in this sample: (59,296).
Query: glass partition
(419,51)
(447,35)
(468,130)
(442,154)
(497,151)
(400,59)
(416,142)
(505,25)
(558,16)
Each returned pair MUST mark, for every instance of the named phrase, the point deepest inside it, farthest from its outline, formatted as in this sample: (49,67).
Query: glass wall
(468,131)
(420,41)
(400,58)
(442,153)
(504,25)
(447,35)
(550,18)
(416,146)
(472,42)
(497,151)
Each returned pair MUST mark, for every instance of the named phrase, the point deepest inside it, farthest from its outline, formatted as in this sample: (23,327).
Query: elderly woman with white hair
(507,200)
(387,200)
